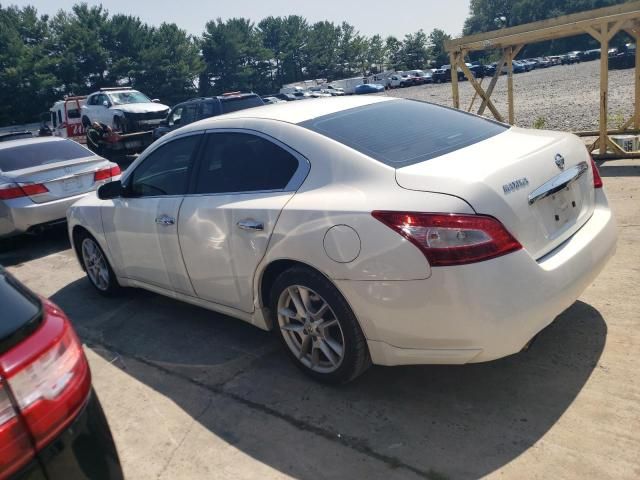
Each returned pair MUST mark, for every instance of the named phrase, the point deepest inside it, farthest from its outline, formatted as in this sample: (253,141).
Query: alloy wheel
(96,264)
(311,329)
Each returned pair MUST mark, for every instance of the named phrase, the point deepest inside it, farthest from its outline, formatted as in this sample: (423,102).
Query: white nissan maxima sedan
(361,230)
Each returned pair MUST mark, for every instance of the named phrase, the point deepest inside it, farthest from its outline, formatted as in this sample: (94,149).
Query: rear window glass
(41,153)
(234,104)
(18,308)
(404,132)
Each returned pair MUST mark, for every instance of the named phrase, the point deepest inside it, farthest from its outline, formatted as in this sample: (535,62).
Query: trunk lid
(502,175)
(62,179)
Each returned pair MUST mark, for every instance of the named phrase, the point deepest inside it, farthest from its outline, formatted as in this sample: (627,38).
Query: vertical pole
(604,86)
(454,79)
(636,111)
(510,85)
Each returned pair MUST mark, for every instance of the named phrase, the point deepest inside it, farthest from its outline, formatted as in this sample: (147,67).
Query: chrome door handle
(251,225)
(165,220)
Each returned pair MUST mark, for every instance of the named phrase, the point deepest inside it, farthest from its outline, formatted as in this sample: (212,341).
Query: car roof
(300,111)
(29,141)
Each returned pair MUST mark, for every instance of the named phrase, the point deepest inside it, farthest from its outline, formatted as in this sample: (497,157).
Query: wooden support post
(510,85)
(475,95)
(494,80)
(635,33)
(604,86)
(481,92)
(454,79)
(636,71)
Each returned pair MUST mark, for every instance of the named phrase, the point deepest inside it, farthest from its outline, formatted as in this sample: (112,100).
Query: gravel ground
(566,97)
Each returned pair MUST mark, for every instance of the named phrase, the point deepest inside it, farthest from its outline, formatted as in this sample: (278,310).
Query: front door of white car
(241,185)
(142,226)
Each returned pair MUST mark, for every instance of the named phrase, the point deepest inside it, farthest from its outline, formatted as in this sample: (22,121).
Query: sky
(386,17)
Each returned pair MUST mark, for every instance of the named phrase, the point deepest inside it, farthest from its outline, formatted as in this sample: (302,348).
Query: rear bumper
(483,311)
(85,450)
(21,215)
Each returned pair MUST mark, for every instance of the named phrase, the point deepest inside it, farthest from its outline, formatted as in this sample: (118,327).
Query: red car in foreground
(51,423)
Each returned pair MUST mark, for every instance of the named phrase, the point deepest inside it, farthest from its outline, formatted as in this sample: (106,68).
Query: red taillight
(452,239)
(48,376)
(597,179)
(106,173)
(8,192)
(16,448)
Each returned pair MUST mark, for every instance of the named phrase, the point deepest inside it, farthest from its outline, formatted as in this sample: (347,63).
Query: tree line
(43,58)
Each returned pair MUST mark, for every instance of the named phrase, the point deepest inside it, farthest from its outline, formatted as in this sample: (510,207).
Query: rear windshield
(41,153)
(399,133)
(231,104)
(18,308)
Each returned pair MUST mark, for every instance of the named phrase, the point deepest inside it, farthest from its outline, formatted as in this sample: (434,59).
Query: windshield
(40,153)
(130,96)
(399,133)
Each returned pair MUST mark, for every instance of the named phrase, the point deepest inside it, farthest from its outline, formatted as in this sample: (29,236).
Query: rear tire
(317,327)
(96,265)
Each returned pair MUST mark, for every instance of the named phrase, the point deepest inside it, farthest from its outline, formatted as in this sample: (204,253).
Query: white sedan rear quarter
(362,229)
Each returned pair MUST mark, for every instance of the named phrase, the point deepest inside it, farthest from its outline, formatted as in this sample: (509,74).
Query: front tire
(317,327)
(95,263)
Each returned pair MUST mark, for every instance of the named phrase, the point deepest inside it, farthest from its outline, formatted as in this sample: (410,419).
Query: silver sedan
(41,177)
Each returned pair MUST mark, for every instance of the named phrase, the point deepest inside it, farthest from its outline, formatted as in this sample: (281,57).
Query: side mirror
(105,104)
(110,190)
(155,100)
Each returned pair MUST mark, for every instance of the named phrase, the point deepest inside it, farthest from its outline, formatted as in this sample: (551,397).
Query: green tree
(169,65)
(414,51)
(438,54)
(27,81)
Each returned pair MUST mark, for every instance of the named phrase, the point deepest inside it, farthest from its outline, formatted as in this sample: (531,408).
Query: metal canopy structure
(602,24)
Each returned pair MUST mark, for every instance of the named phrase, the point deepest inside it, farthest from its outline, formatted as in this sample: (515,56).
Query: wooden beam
(493,83)
(593,32)
(454,79)
(615,28)
(559,27)
(510,85)
(615,147)
(516,50)
(481,92)
(604,86)
(475,95)
(635,33)
(616,131)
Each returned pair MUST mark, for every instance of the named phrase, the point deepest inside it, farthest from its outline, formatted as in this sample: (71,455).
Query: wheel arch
(270,273)
(77,231)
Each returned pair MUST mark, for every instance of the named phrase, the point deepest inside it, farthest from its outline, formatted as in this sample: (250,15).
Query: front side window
(166,170)
(176,116)
(208,109)
(240,162)
(189,114)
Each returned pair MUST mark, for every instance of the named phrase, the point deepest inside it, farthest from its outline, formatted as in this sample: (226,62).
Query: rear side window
(231,104)
(40,153)
(209,109)
(240,162)
(399,133)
